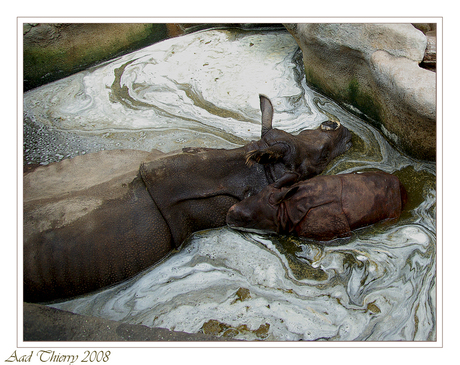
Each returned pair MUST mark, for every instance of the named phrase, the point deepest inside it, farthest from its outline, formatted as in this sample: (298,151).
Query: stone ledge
(42,323)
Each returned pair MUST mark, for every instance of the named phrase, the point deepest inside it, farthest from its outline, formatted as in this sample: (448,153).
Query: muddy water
(202,89)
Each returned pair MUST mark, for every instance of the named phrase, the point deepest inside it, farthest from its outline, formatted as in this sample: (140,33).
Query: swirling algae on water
(378,285)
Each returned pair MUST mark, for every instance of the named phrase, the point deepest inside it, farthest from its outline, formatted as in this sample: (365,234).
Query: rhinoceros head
(290,158)
(262,212)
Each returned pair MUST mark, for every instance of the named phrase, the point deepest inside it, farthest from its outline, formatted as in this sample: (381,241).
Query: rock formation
(373,69)
(53,50)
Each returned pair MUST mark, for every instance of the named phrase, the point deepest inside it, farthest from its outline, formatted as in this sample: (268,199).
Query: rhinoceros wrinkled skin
(322,208)
(299,157)
(101,218)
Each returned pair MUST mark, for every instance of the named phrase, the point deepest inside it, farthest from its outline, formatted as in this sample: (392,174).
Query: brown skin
(99,219)
(92,252)
(322,208)
(298,157)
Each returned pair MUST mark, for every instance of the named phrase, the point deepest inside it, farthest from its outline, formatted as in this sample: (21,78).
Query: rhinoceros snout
(240,217)
(246,217)
(235,217)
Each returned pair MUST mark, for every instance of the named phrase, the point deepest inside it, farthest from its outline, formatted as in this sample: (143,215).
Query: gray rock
(373,69)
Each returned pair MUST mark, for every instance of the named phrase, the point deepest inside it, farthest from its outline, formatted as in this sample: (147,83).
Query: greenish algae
(316,82)
(373,308)
(121,94)
(417,185)
(364,102)
(50,63)
(242,295)
(353,94)
(301,269)
(201,102)
(216,328)
(213,327)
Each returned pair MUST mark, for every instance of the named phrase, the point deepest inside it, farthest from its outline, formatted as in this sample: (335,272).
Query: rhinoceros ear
(266,108)
(267,155)
(283,195)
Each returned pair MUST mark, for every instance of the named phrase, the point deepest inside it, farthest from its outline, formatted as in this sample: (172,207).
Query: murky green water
(202,90)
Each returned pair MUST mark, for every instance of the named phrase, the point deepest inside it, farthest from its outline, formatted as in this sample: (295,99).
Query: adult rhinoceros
(101,218)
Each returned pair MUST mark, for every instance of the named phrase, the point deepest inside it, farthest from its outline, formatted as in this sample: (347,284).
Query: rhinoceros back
(89,222)
(337,205)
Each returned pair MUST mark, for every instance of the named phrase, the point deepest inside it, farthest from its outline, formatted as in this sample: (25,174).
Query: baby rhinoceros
(322,208)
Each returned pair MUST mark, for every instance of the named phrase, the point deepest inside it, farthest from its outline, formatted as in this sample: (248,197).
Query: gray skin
(322,208)
(98,219)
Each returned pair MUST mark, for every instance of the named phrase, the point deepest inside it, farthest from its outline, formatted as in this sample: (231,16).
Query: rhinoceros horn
(266,108)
